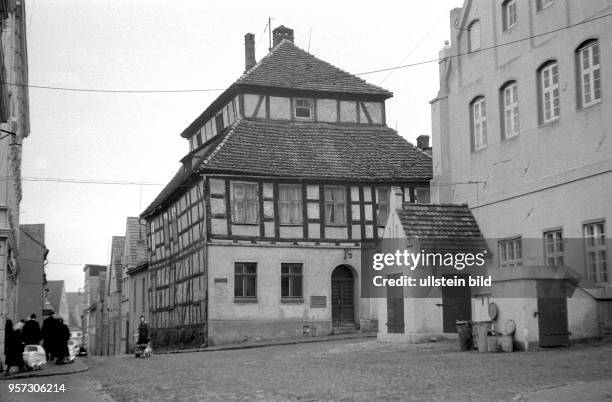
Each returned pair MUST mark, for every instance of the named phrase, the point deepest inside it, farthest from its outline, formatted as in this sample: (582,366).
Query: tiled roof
(117,247)
(135,235)
(442,227)
(319,151)
(288,66)
(36,231)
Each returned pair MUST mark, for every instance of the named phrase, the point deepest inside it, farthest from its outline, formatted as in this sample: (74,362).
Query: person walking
(13,346)
(31,331)
(62,338)
(143,331)
(48,334)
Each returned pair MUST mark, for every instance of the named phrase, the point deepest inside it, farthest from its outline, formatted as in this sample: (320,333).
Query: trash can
(492,343)
(480,331)
(464,330)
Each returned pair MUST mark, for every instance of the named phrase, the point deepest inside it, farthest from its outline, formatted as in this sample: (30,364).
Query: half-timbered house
(260,232)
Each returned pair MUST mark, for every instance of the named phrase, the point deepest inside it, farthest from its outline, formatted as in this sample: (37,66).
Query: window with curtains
(548,77)
(291,281)
(245,203)
(510,116)
(383,205)
(290,204)
(589,80)
(335,205)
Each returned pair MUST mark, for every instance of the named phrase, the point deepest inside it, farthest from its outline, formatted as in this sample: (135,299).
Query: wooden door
(343,297)
(552,313)
(395,307)
(456,305)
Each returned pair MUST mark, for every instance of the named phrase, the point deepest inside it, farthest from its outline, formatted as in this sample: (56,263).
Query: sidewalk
(50,369)
(277,342)
(580,391)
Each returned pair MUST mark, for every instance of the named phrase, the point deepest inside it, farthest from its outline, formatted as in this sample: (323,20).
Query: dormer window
(302,109)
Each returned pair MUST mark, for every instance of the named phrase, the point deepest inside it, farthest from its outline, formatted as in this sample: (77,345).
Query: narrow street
(349,369)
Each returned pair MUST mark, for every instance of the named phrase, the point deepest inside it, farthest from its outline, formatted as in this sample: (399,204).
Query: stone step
(345,330)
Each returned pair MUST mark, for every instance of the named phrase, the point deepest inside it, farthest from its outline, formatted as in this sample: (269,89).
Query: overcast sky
(157,45)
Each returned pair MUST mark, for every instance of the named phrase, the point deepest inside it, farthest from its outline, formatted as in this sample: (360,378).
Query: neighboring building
(134,253)
(76,305)
(94,275)
(139,296)
(31,279)
(521,133)
(111,314)
(15,126)
(260,232)
(56,295)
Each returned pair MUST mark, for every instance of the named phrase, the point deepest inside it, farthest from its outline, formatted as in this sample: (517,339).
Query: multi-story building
(14,126)
(134,254)
(55,293)
(521,133)
(111,304)
(31,280)
(260,232)
(94,275)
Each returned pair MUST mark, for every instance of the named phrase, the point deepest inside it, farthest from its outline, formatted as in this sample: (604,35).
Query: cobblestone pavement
(348,370)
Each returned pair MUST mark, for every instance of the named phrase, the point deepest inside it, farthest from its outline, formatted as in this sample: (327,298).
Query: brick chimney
(249,51)
(423,143)
(280,33)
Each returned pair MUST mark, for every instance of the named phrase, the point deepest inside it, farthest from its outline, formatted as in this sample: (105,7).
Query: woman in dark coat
(13,346)
(63,336)
(143,331)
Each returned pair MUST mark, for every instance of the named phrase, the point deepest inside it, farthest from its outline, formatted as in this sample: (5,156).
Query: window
(509,14)
(589,81)
(383,205)
(335,205)
(291,281)
(542,4)
(510,252)
(245,280)
(553,248)
(549,92)
(479,123)
(422,195)
(219,122)
(595,249)
(510,119)
(290,204)
(245,203)
(474,36)
(303,109)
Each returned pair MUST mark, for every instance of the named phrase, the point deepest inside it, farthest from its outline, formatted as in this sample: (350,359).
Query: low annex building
(260,232)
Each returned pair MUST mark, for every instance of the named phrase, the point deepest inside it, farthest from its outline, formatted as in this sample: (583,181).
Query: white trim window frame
(290,204)
(549,84)
(510,252)
(554,246)
(596,252)
(590,75)
(511,110)
(509,14)
(245,203)
(479,123)
(303,109)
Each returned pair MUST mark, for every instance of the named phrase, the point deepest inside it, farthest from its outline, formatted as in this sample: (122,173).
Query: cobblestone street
(350,369)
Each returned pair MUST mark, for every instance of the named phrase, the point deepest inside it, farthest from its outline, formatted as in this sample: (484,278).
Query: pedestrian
(143,331)
(13,346)
(31,331)
(48,333)
(62,337)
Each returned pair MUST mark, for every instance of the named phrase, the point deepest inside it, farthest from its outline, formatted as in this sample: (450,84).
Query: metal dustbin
(464,330)
(480,331)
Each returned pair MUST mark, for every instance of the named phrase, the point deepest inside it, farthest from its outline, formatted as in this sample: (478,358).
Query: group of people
(54,336)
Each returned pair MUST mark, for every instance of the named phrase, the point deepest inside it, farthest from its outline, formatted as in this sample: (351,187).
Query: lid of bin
(492,311)
(509,327)
(461,322)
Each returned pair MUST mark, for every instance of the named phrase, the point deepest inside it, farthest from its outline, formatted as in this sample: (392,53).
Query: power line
(436,60)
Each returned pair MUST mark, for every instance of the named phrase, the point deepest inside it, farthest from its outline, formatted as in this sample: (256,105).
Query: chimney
(280,33)
(249,51)
(423,143)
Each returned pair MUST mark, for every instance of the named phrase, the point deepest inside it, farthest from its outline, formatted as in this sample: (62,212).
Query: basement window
(303,109)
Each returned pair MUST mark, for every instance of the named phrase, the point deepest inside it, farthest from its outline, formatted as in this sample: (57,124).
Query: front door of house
(456,305)
(395,307)
(343,297)
(552,313)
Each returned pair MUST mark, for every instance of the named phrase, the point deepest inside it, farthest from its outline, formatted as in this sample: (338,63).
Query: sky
(180,44)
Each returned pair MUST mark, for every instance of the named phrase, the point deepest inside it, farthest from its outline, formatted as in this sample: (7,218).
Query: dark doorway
(395,307)
(343,297)
(456,305)
(127,337)
(552,313)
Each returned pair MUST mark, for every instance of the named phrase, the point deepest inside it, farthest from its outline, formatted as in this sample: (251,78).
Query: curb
(42,373)
(263,345)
